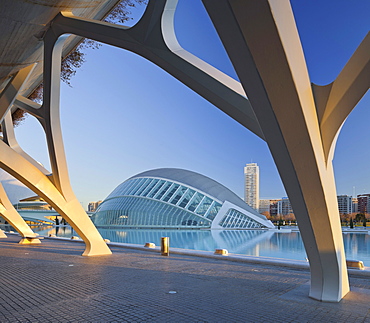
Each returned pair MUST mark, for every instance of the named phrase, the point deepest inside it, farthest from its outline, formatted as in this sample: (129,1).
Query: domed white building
(176,198)
(31,207)
(14,189)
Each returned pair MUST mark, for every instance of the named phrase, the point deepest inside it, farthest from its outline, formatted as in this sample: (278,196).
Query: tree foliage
(18,116)
(121,12)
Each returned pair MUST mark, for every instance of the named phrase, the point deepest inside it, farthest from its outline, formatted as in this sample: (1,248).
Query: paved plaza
(52,282)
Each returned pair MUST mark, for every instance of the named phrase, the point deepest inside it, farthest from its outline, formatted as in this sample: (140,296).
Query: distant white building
(264,206)
(252,185)
(93,206)
(284,206)
(345,204)
(354,205)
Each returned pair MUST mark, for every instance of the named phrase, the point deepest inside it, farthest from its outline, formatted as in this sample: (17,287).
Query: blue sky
(124,115)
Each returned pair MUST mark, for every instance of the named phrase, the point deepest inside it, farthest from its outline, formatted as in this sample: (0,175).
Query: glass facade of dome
(235,219)
(151,202)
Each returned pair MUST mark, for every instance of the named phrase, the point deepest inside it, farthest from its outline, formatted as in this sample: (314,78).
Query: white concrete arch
(264,47)
(54,187)
(7,98)
(270,63)
(335,101)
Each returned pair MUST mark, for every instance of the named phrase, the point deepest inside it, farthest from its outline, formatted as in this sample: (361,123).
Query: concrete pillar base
(2,234)
(30,241)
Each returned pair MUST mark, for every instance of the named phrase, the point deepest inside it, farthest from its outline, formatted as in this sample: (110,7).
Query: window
(186,198)
(195,201)
(156,188)
(163,190)
(172,191)
(204,206)
(213,211)
(180,192)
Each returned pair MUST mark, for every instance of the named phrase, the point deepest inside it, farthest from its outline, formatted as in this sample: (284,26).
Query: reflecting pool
(286,244)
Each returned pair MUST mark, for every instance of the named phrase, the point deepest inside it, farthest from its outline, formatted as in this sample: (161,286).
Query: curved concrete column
(149,40)
(7,98)
(263,44)
(54,187)
(70,209)
(145,39)
(10,214)
(10,92)
(334,102)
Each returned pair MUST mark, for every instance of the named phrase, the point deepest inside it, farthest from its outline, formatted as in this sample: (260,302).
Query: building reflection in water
(265,243)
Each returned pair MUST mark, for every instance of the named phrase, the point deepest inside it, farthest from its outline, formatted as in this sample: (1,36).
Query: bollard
(222,252)
(149,245)
(165,246)
(355,264)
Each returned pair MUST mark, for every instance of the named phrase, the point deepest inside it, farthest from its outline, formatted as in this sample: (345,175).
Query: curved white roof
(14,189)
(201,183)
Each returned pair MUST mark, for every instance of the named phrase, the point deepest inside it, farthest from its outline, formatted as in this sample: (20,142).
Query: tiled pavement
(52,282)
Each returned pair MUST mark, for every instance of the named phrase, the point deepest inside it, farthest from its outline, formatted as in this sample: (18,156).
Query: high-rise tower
(252,185)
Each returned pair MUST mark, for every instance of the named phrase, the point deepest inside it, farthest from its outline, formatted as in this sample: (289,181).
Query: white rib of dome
(201,183)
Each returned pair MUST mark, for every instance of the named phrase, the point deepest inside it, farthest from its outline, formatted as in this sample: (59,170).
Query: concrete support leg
(60,195)
(2,234)
(54,187)
(7,98)
(10,214)
(153,38)
(29,240)
(9,94)
(71,209)
(263,44)
(300,128)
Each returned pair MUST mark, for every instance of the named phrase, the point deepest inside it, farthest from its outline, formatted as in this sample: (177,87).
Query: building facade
(345,205)
(31,208)
(284,206)
(264,206)
(274,207)
(354,205)
(252,185)
(176,198)
(92,206)
(363,203)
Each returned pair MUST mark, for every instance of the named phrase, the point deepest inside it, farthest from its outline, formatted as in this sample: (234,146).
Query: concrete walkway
(52,282)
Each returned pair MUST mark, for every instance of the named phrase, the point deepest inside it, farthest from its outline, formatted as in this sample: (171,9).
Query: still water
(271,243)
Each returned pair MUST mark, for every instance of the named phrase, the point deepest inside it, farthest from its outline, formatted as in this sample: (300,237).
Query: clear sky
(124,115)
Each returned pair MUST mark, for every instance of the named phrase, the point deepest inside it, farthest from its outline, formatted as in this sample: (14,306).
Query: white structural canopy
(263,44)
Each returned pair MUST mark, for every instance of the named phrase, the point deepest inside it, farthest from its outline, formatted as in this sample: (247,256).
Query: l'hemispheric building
(175,198)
